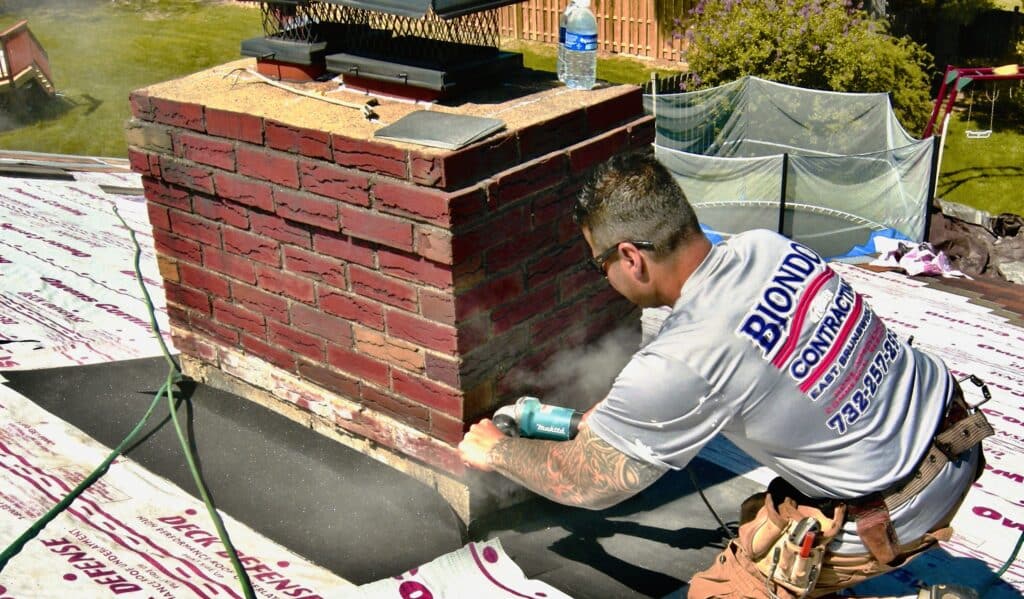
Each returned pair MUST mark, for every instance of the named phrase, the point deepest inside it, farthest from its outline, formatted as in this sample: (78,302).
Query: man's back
(768,346)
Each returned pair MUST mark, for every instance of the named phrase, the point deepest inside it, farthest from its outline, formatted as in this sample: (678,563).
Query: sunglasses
(599,261)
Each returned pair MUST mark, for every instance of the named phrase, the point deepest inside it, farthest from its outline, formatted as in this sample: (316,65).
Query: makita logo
(551,429)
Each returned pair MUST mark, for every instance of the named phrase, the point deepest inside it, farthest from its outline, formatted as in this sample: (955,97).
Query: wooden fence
(632,27)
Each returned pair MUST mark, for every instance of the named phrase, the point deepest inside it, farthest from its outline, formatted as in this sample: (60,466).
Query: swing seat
(979,134)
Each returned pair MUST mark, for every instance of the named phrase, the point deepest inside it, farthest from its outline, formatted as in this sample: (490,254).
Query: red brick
(232,265)
(351,308)
(366,369)
(405,411)
(268,166)
(391,351)
(508,224)
(586,155)
(578,283)
(240,318)
(321,324)
(473,333)
(214,329)
(244,191)
(175,197)
(205,150)
(335,182)
(186,174)
(437,337)
(296,341)
(315,266)
(515,251)
(275,281)
(434,244)
(555,207)
(141,105)
(188,298)
(179,114)
(529,178)
(221,210)
(330,380)
(419,203)
(372,284)
(465,166)
(442,369)
(275,355)
(641,132)
(243,127)
(177,247)
(526,306)
(308,208)
(613,111)
(554,264)
(254,247)
(437,306)
(553,134)
(426,392)
(277,228)
(446,428)
(195,228)
(200,278)
(555,324)
(415,269)
(371,157)
(343,247)
(142,162)
(271,306)
(158,216)
(193,345)
(178,317)
(489,295)
(308,142)
(367,225)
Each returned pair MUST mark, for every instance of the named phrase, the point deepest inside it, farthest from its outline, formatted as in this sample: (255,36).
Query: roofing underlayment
(69,301)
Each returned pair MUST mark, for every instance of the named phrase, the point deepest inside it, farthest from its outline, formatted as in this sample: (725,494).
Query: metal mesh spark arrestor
(420,48)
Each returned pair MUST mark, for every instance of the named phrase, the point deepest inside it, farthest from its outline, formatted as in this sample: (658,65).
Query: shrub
(817,44)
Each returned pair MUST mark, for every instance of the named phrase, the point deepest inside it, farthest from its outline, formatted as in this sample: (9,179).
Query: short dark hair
(634,197)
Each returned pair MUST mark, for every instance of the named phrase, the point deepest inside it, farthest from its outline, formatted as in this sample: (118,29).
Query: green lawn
(100,51)
(987,174)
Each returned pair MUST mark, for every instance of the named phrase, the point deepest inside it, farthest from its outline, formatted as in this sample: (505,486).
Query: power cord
(166,390)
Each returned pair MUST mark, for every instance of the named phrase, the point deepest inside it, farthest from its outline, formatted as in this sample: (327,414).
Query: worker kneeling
(872,440)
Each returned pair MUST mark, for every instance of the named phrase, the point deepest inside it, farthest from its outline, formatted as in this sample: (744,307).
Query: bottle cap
(583,3)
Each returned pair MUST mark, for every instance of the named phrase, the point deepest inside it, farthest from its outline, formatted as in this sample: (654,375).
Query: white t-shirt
(770,347)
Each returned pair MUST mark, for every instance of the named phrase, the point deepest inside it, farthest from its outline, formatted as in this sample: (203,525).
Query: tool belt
(790,535)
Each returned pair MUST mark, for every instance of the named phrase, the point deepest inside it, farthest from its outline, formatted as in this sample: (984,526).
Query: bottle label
(561,35)
(580,42)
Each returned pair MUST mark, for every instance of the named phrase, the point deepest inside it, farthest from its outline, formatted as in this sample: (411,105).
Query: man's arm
(585,472)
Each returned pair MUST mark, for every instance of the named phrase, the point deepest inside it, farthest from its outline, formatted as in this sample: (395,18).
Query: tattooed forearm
(585,472)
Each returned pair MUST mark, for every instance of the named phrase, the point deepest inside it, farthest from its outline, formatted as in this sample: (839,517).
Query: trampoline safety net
(826,169)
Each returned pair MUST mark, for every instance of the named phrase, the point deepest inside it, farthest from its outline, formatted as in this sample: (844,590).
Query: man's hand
(477,444)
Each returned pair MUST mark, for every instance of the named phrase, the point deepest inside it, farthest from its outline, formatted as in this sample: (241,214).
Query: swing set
(956,79)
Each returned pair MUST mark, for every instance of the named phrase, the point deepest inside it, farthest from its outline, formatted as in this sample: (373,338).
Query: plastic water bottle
(580,46)
(562,18)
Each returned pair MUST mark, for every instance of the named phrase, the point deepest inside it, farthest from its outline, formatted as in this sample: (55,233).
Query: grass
(100,51)
(987,174)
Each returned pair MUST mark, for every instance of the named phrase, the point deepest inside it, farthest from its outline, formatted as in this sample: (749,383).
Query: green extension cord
(173,376)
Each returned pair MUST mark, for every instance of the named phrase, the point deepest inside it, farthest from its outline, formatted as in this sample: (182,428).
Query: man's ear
(633,260)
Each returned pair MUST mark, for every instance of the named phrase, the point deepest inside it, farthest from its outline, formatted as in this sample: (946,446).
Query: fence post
(782,193)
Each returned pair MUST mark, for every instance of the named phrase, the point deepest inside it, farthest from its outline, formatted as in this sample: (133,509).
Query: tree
(817,44)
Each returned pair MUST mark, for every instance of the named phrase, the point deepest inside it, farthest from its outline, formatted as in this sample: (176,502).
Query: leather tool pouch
(787,539)
(875,528)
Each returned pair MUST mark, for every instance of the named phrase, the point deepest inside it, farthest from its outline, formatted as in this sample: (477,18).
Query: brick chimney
(377,291)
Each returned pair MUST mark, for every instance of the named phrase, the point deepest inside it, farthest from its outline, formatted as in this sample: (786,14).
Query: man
(766,345)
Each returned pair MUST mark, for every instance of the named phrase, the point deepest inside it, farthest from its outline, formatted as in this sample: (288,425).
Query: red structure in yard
(957,78)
